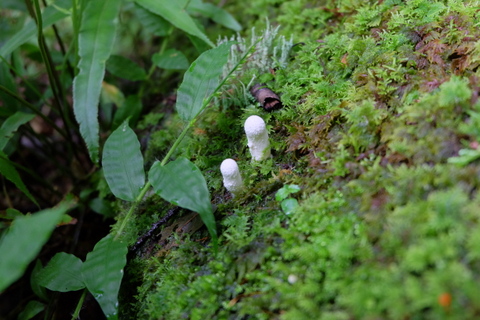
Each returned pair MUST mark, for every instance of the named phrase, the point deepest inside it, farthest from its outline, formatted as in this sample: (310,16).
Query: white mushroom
(257,136)
(232,180)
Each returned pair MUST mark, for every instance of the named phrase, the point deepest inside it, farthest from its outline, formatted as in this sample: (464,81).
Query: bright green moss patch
(378,100)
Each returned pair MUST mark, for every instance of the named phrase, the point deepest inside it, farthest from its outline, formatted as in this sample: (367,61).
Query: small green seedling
(465,156)
(288,205)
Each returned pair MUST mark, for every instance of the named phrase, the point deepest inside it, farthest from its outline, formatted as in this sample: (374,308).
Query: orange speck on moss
(445,300)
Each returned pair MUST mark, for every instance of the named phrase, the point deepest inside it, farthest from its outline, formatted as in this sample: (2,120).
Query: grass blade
(11,124)
(173,12)
(24,239)
(103,272)
(123,163)
(200,80)
(181,183)
(8,170)
(95,41)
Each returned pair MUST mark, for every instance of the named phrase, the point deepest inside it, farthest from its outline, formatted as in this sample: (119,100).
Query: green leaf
(200,81)
(95,41)
(173,12)
(285,191)
(131,109)
(12,213)
(289,205)
(9,104)
(11,125)
(31,310)
(102,206)
(63,273)
(8,171)
(14,5)
(152,23)
(181,183)
(171,59)
(111,94)
(123,163)
(50,15)
(38,289)
(125,68)
(103,271)
(465,156)
(24,239)
(215,13)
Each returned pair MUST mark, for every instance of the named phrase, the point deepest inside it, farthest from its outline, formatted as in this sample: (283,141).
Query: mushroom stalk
(232,180)
(257,136)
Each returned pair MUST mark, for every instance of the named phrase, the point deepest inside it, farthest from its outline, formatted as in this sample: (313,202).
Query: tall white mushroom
(232,180)
(257,136)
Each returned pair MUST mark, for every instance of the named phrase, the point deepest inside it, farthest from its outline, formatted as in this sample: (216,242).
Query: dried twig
(150,233)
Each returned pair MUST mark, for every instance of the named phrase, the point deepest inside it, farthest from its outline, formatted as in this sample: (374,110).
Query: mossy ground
(379,100)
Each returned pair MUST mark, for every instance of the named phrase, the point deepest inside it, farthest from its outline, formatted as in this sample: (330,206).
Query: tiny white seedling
(257,136)
(232,180)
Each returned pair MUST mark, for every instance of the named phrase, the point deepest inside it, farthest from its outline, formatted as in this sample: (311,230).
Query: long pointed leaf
(173,12)
(24,239)
(8,171)
(153,23)
(50,15)
(63,273)
(95,41)
(103,272)
(11,125)
(200,81)
(215,13)
(31,310)
(181,183)
(123,163)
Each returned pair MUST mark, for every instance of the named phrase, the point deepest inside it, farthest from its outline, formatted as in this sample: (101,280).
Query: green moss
(376,101)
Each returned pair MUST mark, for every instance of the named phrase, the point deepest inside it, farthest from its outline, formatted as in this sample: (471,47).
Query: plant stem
(132,209)
(27,83)
(76,313)
(34,109)
(153,66)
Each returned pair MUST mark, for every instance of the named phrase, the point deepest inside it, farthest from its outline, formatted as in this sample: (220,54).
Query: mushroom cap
(255,126)
(229,168)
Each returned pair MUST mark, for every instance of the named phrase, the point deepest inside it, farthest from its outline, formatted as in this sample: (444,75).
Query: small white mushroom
(232,180)
(257,136)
